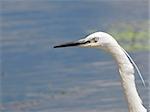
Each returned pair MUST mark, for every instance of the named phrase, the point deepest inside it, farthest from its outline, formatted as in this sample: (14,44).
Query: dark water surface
(37,78)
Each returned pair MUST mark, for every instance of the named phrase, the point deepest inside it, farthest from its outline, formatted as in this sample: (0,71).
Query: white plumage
(124,61)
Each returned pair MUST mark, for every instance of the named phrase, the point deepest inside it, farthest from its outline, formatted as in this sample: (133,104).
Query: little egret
(124,61)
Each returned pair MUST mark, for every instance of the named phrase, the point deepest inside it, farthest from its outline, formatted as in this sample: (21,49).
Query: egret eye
(94,40)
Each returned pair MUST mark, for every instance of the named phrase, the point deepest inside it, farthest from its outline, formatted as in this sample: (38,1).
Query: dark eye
(94,40)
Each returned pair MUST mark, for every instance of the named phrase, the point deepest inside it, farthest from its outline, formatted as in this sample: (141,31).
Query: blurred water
(36,77)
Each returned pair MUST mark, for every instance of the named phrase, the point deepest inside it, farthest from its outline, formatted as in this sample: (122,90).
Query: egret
(124,61)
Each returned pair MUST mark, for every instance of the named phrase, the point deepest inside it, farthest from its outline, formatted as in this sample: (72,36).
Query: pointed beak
(71,44)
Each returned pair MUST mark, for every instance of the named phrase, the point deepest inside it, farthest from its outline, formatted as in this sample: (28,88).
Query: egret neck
(126,71)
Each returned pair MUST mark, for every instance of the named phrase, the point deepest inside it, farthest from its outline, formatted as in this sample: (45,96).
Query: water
(37,78)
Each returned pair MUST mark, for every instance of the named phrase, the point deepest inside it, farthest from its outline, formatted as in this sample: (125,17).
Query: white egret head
(100,40)
(94,40)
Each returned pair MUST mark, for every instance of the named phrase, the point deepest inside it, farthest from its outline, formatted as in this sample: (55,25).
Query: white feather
(136,67)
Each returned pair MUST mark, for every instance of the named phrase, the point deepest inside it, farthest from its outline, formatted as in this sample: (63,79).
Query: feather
(136,67)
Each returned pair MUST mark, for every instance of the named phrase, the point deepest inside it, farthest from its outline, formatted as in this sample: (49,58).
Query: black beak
(71,44)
